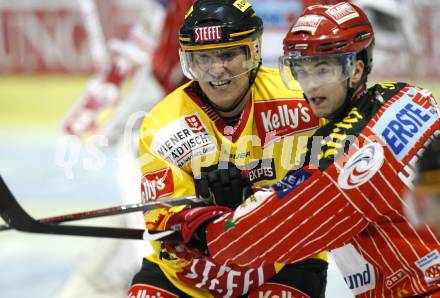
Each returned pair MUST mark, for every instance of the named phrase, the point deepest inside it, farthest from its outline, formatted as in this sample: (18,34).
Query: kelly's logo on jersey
(148,291)
(157,184)
(276,119)
(209,33)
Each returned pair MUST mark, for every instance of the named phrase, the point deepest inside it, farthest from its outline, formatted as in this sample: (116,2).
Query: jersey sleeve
(314,217)
(319,207)
(160,178)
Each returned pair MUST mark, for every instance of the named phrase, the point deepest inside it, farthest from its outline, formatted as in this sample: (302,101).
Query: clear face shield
(220,62)
(319,70)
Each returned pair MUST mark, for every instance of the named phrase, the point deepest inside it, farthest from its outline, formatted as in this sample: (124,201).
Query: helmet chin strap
(240,99)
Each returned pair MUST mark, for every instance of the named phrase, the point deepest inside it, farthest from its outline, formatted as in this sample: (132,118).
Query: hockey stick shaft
(17,218)
(117,210)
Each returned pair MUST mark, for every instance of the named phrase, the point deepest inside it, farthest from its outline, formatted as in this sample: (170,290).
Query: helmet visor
(319,70)
(224,63)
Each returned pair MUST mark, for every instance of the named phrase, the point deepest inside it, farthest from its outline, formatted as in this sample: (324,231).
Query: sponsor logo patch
(276,119)
(404,123)
(242,5)
(194,124)
(392,280)
(359,279)
(224,281)
(208,33)
(359,275)
(182,140)
(342,13)
(271,290)
(260,170)
(361,166)
(148,291)
(307,23)
(430,266)
(291,181)
(157,184)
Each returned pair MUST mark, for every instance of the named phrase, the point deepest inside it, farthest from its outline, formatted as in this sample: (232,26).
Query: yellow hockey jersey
(183,135)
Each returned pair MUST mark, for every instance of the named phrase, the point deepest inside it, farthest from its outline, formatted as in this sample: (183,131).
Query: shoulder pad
(388,89)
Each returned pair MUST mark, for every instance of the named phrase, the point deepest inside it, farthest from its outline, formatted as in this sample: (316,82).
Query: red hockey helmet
(340,31)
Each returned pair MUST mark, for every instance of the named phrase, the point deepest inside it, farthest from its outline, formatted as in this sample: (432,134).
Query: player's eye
(203,59)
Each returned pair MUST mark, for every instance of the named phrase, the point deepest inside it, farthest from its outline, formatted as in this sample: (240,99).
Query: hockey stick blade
(17,218)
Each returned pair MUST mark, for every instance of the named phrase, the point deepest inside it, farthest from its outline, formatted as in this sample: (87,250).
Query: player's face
(323,84)
(225,74)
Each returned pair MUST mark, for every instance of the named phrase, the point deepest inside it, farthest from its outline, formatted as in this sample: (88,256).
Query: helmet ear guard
(366,55)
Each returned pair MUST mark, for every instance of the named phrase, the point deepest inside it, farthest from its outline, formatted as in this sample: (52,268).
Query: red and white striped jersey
(348,196)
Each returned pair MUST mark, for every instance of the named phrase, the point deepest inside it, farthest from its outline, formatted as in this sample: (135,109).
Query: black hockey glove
(227,187)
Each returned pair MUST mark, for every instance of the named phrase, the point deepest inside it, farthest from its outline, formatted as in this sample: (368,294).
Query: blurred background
(51,52)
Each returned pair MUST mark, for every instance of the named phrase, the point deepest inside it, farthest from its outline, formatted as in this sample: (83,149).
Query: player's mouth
(220,84)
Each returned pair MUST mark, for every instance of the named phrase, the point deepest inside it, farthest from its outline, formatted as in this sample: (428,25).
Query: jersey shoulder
(388,90)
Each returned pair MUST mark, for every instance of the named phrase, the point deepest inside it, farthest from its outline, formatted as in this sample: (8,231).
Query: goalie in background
(148,57)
